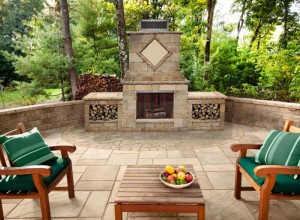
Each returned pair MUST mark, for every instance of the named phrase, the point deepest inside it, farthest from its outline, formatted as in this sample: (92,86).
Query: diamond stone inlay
(154,52)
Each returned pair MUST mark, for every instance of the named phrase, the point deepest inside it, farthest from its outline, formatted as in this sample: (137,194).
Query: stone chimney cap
(155,25)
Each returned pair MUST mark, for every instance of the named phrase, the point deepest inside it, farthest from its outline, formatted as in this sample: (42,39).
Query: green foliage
(192,42)
(263,67)
(95,41)
(44,62)
(280,71)
(13,17)
(134,12)
(10,97)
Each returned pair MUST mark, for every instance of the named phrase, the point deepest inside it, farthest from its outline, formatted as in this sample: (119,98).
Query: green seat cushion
(27,149)
(280,148)
(25,182)
(283,184)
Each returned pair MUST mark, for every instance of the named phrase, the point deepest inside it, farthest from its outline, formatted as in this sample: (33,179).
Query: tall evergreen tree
(13,17)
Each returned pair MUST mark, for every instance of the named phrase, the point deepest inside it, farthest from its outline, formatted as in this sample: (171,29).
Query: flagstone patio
(101,158)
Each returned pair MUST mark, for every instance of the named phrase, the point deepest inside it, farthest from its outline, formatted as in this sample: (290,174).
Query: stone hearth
(155,94)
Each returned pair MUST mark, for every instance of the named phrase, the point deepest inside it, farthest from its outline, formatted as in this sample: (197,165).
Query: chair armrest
(265,170)
(68,148)
(64,149)
(237,147)
(244,147)
(42,170)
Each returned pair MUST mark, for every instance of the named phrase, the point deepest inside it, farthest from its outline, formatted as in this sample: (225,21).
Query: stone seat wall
(105,111)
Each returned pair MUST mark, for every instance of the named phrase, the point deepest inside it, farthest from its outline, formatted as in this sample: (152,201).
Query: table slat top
(141,185)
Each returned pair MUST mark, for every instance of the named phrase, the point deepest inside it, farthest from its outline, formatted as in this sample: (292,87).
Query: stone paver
(101,159)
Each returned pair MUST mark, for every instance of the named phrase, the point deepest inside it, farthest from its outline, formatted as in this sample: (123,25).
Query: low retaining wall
(44,116)
(261,113)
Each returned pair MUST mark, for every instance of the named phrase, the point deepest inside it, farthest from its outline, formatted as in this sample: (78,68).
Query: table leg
(118,212)
(201,212)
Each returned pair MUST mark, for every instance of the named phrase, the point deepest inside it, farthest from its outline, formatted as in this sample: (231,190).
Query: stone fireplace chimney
(154,91)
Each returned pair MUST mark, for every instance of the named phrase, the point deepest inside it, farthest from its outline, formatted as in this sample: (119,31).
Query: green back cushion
(283,184)
(280,148)
(27,149)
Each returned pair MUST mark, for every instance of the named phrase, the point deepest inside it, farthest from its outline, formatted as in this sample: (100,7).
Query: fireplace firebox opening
(154,105)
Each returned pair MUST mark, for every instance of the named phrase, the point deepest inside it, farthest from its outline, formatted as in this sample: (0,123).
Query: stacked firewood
(206,111)
(87,83)
(103,112)
(155,113)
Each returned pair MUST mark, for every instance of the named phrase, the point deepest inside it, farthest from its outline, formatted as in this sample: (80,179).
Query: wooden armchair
(263,177)
(35,181)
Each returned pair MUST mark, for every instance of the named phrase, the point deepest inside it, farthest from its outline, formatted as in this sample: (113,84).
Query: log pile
(88,83)
(103,112)
(206,111)
(155,113)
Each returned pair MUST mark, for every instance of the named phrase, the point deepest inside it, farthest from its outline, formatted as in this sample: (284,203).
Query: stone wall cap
(206,95)
(182,82)
(152,32)
(110,96)
(291,105)
(39,106)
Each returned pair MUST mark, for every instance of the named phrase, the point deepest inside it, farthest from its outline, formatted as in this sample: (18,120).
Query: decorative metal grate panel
(154,25)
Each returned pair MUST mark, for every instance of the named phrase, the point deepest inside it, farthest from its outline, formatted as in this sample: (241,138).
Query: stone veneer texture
(142,69)
(261,113)
(44,116)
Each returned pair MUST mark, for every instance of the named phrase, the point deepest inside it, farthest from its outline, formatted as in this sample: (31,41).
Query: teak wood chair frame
(37,172)
(268,171)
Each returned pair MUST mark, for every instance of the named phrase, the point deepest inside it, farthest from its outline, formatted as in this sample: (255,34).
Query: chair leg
(265,192)
(264,205)
(1,211)
(238,183)
(45,206)
(70,182)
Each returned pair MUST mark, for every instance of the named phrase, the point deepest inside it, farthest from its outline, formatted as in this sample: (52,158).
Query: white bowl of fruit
(176,177)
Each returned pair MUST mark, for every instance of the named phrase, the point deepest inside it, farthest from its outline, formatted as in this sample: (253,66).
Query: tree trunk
(62,89)
(210,14)
(121,37)
(68,44)
(241,22)
(256,34)
(285,25)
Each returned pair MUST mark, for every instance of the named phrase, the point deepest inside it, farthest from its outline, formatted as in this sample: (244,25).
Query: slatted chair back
(288,127)
(20,128)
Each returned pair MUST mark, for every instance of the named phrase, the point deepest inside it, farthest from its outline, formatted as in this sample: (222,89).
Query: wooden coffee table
(142,191)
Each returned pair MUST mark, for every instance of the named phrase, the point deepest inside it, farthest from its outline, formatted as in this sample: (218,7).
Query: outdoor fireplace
(154,105)
(155,93)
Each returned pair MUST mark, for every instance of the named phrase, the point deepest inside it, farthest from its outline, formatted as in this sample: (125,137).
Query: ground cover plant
(12,98)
